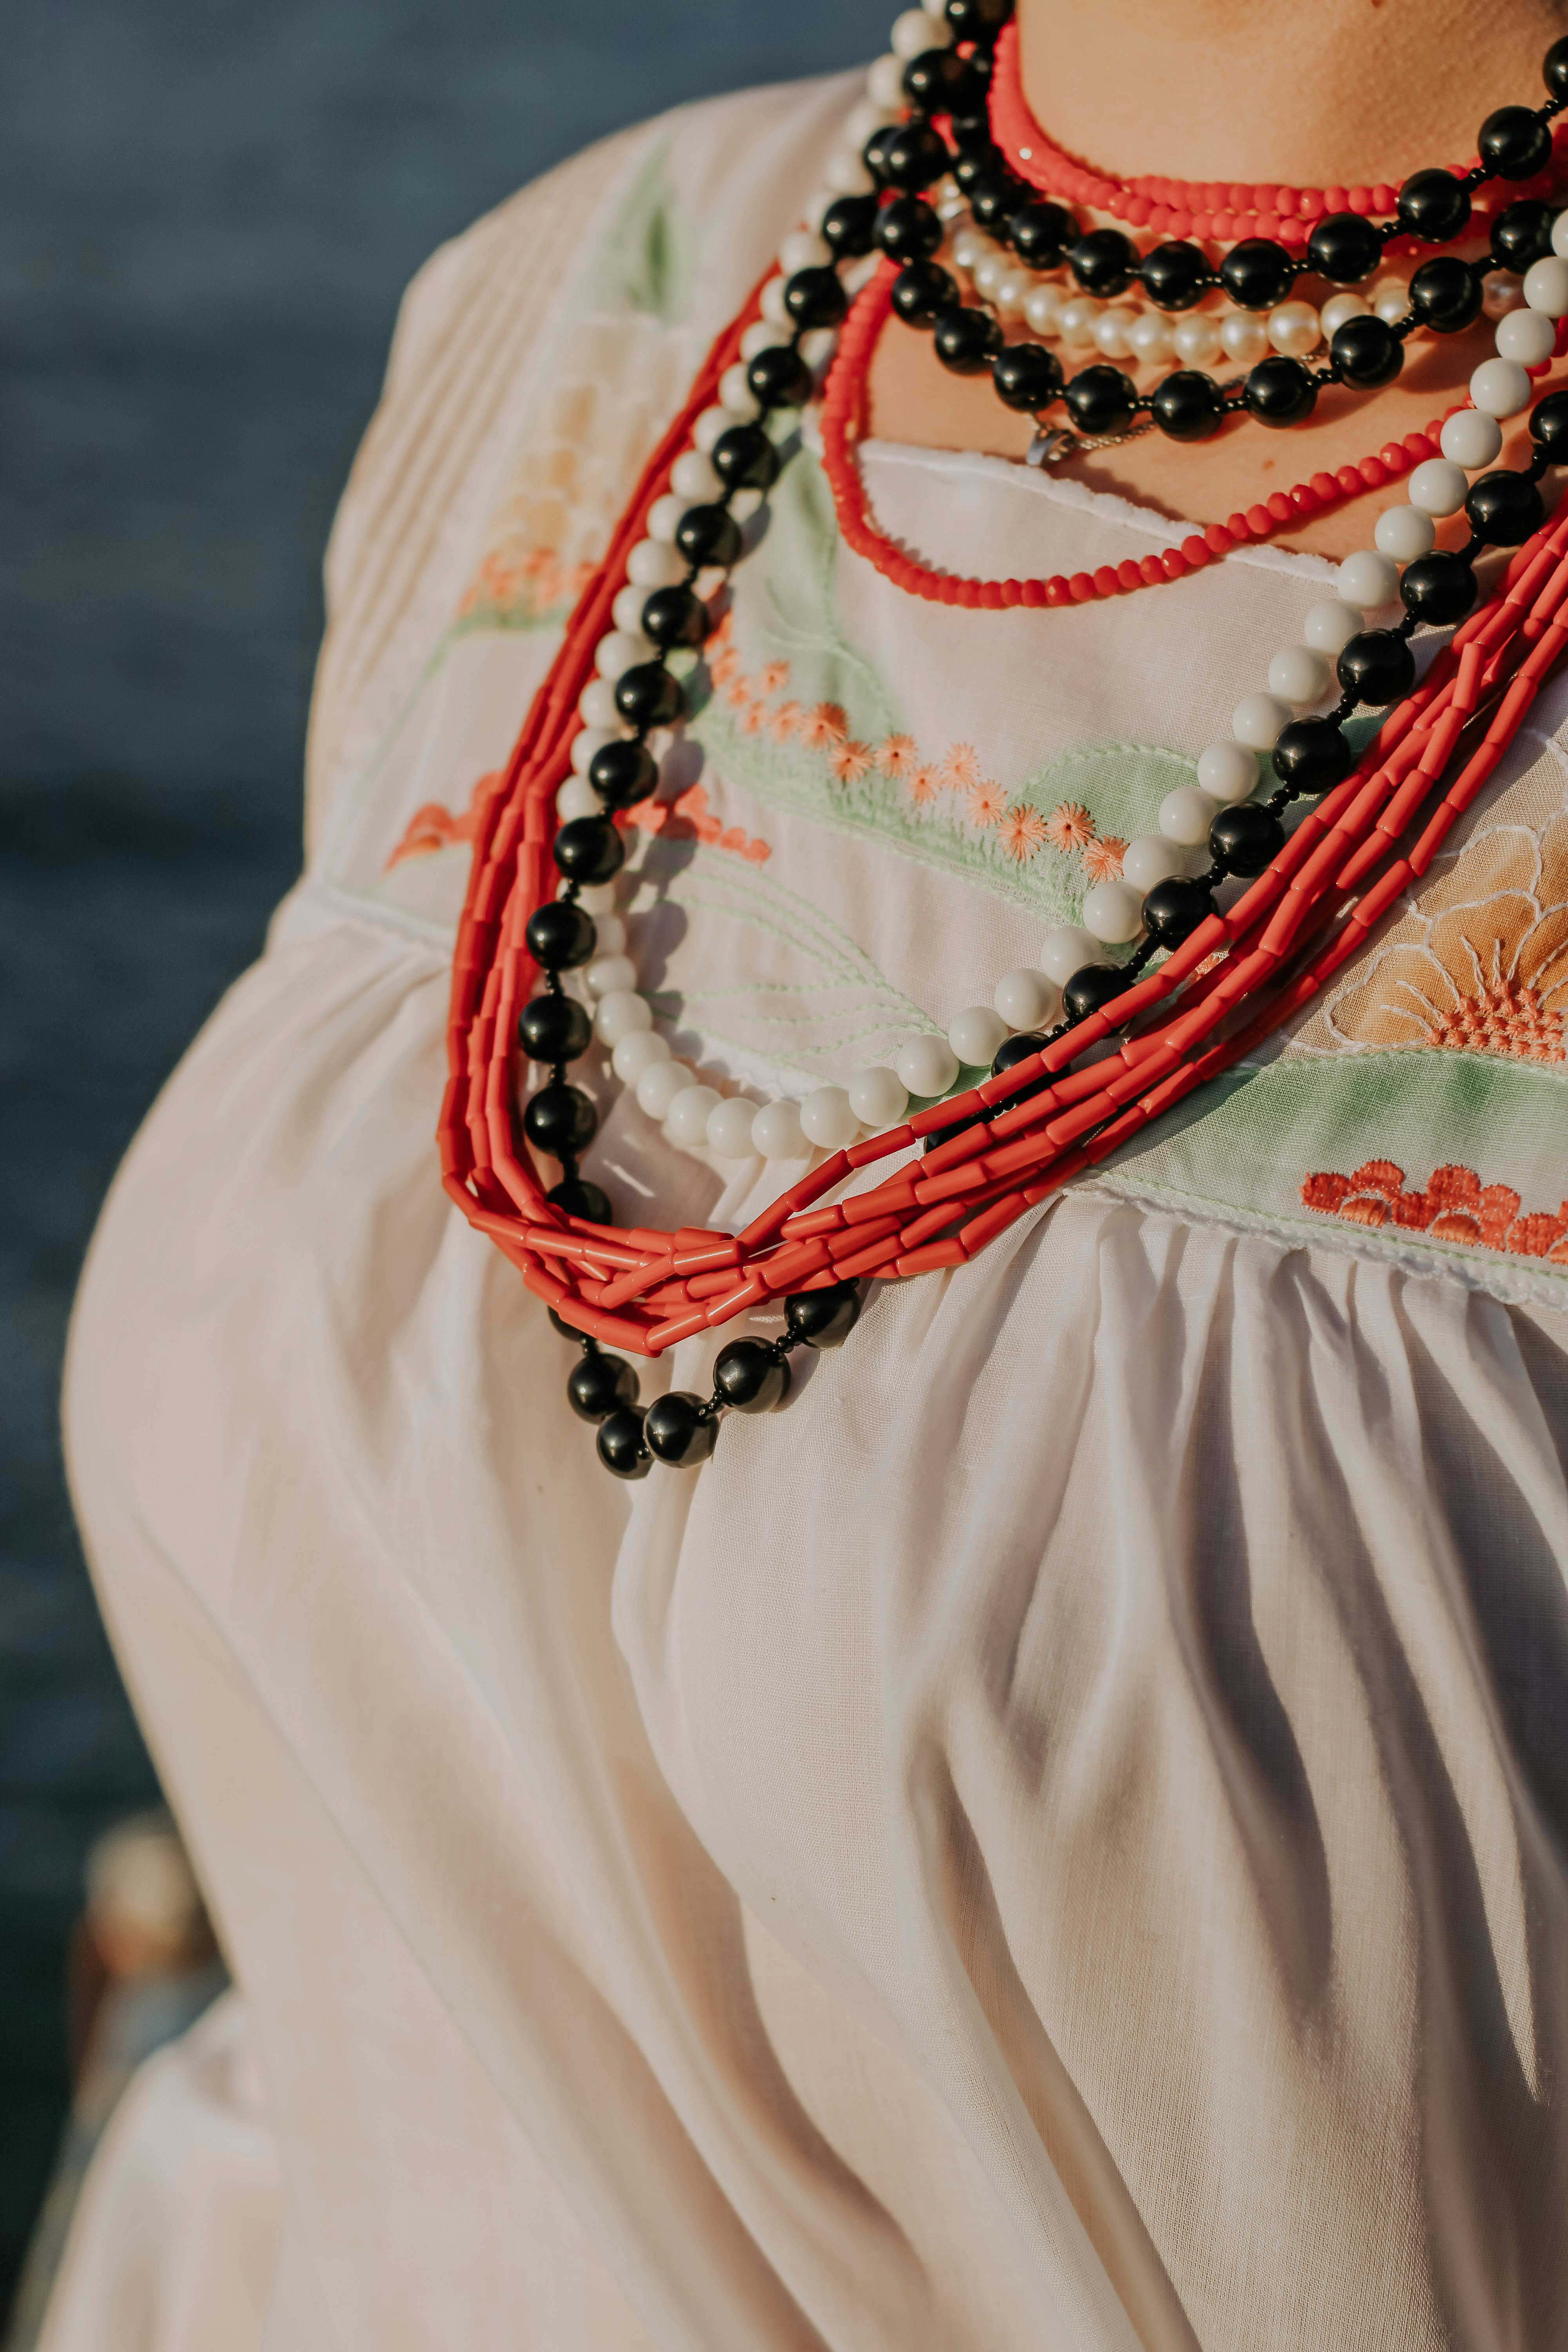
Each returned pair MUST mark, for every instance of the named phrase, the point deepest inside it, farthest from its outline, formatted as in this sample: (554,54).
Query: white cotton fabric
(1055,1842)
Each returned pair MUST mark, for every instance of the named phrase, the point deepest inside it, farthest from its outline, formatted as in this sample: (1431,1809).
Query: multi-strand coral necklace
(989,1119)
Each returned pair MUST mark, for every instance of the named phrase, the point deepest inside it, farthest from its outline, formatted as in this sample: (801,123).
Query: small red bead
(1012,591)
(1260,521)
(1082,587)
(991,595)
(1392,458)
(1280,507)
(1349,480)
(1174,563)
(1128,575)
(1035,592)
(1105,582)
(1361,200)
(1220,540)
(1196,551)
(1373,474)
(1239,528)
(1058,590)
(1150,572)
(1327,488)
(1304,500)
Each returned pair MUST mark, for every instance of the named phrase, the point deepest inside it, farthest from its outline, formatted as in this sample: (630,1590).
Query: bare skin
(1357,91)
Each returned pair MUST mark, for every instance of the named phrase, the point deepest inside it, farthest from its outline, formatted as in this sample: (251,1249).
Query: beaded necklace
(1006,1142)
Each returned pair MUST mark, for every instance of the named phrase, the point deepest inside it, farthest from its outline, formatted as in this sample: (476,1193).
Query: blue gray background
(207,210)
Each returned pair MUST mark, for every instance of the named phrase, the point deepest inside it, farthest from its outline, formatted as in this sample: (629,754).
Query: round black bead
(1311,755)
(1173,909)
(909,156)
(1188,406)
(970,136)
(675,616)
(922,289)
(995,196)
(1041,233)
(909,229)
(1434,205)
(678,1429)
(1377,667)
(966,341)
(1027,376)
(599,1385)
(560,934)
(560,1120)
(1344,249)
(823,1318)
(1438,588)
(709,535)
(871,152)
(1100,399)
(1515,143)
(590,850)
(1092,988)
(1446,294)
(978,162)
(748,1377)
(1013,1050)
(646,695)
(815,298)
(1549,424)
(1366,353)
(622,774)
(779,377)
(580,1198)
(1257,273)
(945,83)
(552,1028)
(849,230)
(1503,508)
(1243,840)
(1554,68)
(744,458)
(1280,392)
(620,1443)
(565,1328)
(1521,234)
(1176,276)
(1104,262)
(978,20)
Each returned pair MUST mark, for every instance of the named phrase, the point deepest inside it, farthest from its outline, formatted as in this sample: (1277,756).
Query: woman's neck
(1347,91)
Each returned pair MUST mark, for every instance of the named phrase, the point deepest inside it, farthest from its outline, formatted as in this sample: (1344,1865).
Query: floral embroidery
(897,756)
(513,590)
(1456,1206)
(690,818)
(823,727)
(923,785)
(1070,828)
(1023,832)
(985,803)
(1481,965)
(1102,859)
(849,762)
(961,768)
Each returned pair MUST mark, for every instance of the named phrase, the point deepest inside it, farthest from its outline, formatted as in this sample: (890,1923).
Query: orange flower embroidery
(849,762)
(784,720)
(1456,1206)
(823,726)
(432,827)
(771,675)
(690,818)
(961,768)
(1102,858)
(739,692)
(723,666)
(1023,832)
(922,784)
(1070,826)
(753,718)
(985,803)
(897,756)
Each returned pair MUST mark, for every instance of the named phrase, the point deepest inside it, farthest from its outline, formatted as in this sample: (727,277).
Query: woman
(1053,1835)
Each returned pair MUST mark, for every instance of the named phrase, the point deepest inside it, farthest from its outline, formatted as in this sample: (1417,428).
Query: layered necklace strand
(1009,1138)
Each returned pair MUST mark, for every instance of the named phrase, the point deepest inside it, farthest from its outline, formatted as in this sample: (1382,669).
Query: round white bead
(1186,814)
(1528,336)
(708,425)
(1226,773)
(885,80)
(609,932)
(858,125)
(620,651)
(989,271)
(1149,858)
(654,563)
(1367,581)
(1391,302)
(1297,675)
(975,1034)
(764,334)
(1245,337)
(637,1051)
(1560,236)
(626,610)
(970,246)
(1295,327)
(1026,999)
(664,517)
(1470,439)
(926,1064)
(914,31)
(771,304)
(1012,293)
(846,174)
(1501,291)
(1197,340)
(686,1120)
(657,1086)
(1152,337)
(692,476)
(730,1129)
(1438,487)
(877,1096)
(577,797)
(1546,286)
(597,899)
(1113,912)
(586,744)
(620,1013)
(1113,332)
(735,394)
(1403,533)
(607,972)
(827,1118)
(597,704)
(1043,310)
(1075,322)
(1500,388)
(1338,309)
(1066,951)
(778,1134)
(1329,628)
(1257,721)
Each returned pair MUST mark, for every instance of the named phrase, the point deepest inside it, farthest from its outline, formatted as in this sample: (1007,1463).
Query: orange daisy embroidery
(986,803)
(823,725)
(772,676)
(961,768)
(1455,1206)
(1102,858)
(1070,826)
(849,762)
(922,784)
(1023,832)
(784,720)
(753,718)
(897,756)
(739,692)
